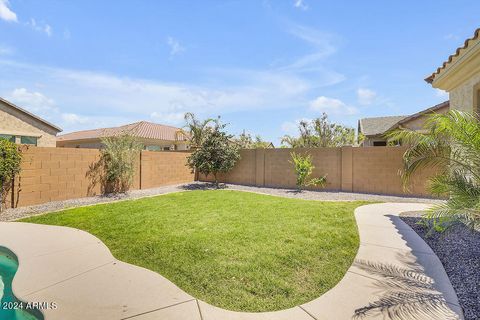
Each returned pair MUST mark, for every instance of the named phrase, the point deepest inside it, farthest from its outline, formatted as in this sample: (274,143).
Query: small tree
(118,160)
(303,169)
(216,154)
(10,161)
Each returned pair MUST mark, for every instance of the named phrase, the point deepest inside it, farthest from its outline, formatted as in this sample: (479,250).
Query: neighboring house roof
(431,77)
(445,104)
(14,106)
(142,129)
(378,125)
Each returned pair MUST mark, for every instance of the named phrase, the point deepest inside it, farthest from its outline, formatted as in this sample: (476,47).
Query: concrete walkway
(395,276)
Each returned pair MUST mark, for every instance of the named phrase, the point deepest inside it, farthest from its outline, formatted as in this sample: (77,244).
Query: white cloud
(175,46)
(108,99)
(366,96)
(48,30)
(6,13)
(441,93)
(40,27)
(74,119)
(323,42)
(35,102)
(331,106)
(173,118)
(313,64)
(300,4)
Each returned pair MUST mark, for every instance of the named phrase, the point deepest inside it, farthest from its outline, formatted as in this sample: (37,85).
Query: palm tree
(451,145)
(196,128)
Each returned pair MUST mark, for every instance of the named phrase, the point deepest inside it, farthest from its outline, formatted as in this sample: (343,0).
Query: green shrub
(118,161)
(303,167)
(10,161)
(450,143)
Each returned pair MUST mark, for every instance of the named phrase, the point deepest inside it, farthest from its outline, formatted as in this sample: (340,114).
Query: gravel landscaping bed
(459,251)
(331,195)
(22,212)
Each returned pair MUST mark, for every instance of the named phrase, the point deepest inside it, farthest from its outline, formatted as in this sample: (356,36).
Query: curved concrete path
(395,276)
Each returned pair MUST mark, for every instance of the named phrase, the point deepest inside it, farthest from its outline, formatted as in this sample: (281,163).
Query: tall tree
(245,141)
(196,128)
(321,133)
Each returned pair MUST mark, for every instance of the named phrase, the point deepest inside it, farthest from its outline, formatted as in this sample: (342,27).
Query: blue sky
(261,65)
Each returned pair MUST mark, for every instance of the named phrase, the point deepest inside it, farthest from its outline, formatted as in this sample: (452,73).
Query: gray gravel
(18,213)
(459,251)
(23,212)
(330,196)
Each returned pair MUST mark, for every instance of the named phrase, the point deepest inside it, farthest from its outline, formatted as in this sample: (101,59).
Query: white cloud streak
(6,13)
(99,95)
(300,4)
(331,106)
(366,96)
(175,46)
(40,27)
(36,102)
(87,99)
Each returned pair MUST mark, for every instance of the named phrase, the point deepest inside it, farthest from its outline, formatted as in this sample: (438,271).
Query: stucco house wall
(459,75)
(465,97)
(17,123)
(418,123)
(371,140)
(148,144)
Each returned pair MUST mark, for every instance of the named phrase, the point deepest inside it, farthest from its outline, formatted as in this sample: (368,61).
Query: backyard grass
(236,250)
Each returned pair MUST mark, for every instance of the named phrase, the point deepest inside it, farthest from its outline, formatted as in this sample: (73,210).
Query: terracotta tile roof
(142,129)
(14,106)
(378,125)
(431,77)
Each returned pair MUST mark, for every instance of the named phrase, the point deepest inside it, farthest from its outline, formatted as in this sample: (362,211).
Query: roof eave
(58,129)
(460,51)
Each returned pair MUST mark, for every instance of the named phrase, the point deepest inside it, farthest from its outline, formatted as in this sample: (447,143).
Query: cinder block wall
(52,174)
(366,170)
(164,168)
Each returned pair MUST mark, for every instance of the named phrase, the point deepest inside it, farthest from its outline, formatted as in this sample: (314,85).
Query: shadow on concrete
(415,288)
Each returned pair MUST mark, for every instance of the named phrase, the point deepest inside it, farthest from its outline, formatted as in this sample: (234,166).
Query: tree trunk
(216,180)
(2,191)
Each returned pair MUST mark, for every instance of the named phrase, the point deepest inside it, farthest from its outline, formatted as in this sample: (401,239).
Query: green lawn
(236,250)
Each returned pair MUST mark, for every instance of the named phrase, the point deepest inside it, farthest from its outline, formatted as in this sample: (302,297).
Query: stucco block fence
(53,174)
(348,169)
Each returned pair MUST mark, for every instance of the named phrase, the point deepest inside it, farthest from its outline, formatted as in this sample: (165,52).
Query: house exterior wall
(465,96)
(418,123)
(369,140)
(14,122)
(97,144)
